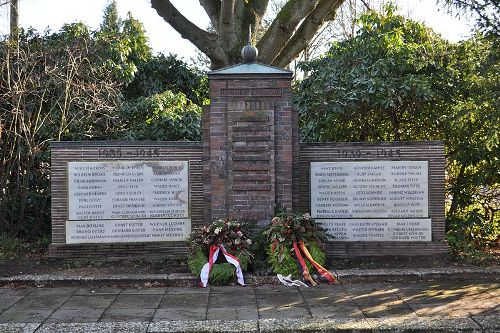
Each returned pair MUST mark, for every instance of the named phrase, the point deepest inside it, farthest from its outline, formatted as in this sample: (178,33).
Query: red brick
(255,134)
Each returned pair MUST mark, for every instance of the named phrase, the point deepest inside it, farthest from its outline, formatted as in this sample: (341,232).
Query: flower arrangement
(231,238)
(293,237)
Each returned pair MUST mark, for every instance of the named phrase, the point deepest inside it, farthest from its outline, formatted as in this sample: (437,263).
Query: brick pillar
(250,143)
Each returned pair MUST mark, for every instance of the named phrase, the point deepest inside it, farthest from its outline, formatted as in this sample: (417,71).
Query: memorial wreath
(206,243)
(293,237)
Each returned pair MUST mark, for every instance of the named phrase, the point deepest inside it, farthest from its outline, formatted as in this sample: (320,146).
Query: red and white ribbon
(212,258)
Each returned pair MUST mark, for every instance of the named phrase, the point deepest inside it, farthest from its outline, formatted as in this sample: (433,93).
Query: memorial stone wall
(125,199)
(129,200)
(383,198)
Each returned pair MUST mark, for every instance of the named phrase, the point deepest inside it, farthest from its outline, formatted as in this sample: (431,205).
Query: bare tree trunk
(456,191)
(14,22)
(395,124)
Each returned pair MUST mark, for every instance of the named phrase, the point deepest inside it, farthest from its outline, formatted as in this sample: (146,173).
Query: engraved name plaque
(251,92)
(391,189)
(114,231)
(128,201)
(395,230)
(372,200)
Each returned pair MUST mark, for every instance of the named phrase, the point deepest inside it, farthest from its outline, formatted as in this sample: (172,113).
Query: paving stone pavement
(445,306)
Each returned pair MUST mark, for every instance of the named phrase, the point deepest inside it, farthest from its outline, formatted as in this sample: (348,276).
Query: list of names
(127,190)
(391,230)
(128,201)
(372,200)
(375,189)
(115,231)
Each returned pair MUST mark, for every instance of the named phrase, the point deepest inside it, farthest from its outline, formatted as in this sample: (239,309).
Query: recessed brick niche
(250,143)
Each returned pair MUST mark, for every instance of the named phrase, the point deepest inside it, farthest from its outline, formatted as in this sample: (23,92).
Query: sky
(52,14)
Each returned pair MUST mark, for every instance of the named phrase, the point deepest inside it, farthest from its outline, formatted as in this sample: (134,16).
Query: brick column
(250,143)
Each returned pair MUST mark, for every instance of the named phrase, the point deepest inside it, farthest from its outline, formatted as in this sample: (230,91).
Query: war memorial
(142,199)
(126,201)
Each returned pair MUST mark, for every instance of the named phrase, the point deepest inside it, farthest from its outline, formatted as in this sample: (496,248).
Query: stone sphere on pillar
(249,54)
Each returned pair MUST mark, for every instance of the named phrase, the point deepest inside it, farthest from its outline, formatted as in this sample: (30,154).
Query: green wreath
(286,263)
(235,240)
(221,273)
(284,230)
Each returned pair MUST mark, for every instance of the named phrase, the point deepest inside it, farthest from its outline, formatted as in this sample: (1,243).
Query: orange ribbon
(305,271)
(324,272)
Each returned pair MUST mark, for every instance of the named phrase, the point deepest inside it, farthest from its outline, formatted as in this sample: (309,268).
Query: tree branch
(240,23)
(367,6)
(227,11)
(203,40)
(212,8)
(283,27)
(259,7)
(306,31)
(226,23)
(256,11)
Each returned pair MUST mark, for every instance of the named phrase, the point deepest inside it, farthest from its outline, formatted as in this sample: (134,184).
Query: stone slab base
(175,251)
